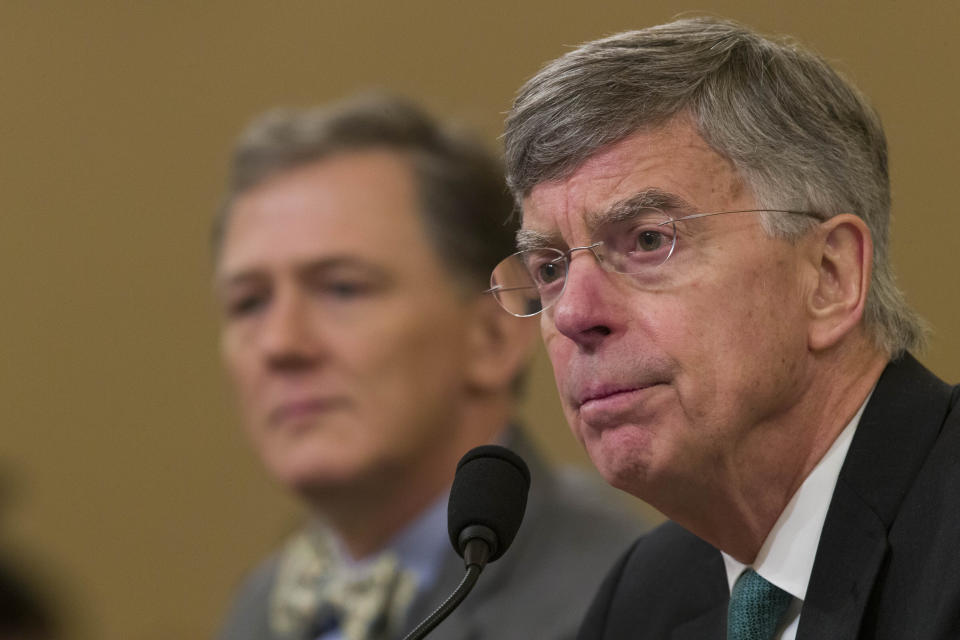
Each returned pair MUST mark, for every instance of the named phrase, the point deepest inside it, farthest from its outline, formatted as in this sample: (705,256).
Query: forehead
(673,161)
(360,204)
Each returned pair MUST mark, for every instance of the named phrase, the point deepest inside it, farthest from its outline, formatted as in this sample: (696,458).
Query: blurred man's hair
(800,135)
(465,204)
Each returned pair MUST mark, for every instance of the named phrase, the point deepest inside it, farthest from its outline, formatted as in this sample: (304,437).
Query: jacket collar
(898,428)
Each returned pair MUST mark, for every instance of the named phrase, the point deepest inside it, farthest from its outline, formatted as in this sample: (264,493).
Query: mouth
(601,393)
(611,404)
(297,410)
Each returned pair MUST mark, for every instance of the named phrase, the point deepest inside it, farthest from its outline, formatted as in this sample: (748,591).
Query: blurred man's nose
(288,337)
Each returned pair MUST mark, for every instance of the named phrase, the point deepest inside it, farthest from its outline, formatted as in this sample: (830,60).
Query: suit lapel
(851,551)
(709,625)
(897,429)
(705,583)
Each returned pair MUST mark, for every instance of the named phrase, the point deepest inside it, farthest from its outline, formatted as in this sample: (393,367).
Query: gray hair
(464,200)
(801,136)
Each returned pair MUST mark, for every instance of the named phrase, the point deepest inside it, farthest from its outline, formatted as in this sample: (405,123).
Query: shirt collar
(420,548)
(786,556)
(423,546)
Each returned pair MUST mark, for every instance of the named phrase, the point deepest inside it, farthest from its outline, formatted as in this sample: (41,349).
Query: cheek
(561,352)
(240,367)
(741,345)
(559,347)
(423,350)
(409,369)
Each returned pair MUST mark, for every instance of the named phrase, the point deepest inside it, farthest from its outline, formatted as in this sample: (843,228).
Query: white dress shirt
(786,556)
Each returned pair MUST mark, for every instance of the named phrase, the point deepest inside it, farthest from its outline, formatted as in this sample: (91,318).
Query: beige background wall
(125,478)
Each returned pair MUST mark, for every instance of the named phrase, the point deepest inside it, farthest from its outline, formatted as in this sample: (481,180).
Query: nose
(585,311)
(288,338)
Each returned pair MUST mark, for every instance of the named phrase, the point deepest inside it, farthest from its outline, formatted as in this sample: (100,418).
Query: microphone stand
(451,603)
(487,500)
(475,556)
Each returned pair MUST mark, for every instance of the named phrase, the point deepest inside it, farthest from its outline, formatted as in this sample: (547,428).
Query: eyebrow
(530,239)
(631,207)
(651,198)
(255,274)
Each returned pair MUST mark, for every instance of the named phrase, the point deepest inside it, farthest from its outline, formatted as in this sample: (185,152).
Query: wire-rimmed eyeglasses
(531,280)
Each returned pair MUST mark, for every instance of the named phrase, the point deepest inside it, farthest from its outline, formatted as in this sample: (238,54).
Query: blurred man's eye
(346,289)
(245,305)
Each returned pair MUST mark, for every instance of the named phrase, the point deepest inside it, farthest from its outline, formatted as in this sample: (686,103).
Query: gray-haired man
(351,256)
(705,230)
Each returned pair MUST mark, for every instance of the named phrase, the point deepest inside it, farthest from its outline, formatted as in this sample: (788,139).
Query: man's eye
(648,240)
(245,306)
(345,289)
(544,266)
(548,272)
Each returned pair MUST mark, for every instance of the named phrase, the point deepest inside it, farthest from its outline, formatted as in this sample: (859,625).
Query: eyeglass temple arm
(499,287)
(694,216)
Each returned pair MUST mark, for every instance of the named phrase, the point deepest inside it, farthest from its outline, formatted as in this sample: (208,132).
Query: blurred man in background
(351,254)
(705,226)
(27,611)
(24,613)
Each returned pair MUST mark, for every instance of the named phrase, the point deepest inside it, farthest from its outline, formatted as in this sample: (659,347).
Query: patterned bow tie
(316,591)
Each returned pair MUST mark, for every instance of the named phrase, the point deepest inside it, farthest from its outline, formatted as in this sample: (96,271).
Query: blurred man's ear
(499,345)
(844,259)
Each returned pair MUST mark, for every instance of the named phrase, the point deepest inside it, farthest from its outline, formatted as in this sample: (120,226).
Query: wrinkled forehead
(670,168)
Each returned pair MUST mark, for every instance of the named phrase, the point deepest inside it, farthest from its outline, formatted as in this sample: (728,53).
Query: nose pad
(592,248)
(597,251)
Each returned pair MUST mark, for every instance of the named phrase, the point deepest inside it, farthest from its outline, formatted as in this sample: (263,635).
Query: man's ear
(844,259)
(499,345)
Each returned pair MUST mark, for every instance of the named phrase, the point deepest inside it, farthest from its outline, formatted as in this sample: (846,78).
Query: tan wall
(130,483)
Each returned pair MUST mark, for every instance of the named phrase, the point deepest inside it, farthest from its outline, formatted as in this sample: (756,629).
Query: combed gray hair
(464,200)
(801,136)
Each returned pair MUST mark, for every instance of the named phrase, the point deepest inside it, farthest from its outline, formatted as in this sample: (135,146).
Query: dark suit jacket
(888,563)
(572,533)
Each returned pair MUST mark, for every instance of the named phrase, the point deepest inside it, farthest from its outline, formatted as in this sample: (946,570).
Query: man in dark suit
(351,256)
(705,229)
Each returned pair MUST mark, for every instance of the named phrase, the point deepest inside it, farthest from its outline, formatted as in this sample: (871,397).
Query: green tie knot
(756,608)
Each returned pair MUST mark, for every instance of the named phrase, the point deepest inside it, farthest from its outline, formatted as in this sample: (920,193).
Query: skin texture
(711,391)
(362,369)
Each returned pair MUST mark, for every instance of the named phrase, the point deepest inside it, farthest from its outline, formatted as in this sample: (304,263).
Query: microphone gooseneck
(487,502)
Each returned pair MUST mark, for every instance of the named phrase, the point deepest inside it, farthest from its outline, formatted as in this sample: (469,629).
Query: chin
(623,456)
(306,471)
(319,486)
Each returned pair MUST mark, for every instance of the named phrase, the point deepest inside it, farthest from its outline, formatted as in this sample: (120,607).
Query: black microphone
(487,501)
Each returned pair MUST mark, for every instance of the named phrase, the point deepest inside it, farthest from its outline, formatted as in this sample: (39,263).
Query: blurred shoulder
(586,503)
(248,614)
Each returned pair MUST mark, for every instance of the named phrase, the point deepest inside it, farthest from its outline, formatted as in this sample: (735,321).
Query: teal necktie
(756,608)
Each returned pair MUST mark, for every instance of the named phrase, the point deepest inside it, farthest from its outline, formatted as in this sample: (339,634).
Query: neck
(373,510)
(735,506)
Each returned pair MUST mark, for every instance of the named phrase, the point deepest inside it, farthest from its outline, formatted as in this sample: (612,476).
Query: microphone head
(489,490)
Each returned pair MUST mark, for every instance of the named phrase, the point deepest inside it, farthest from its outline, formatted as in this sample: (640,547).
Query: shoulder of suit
(585,493)
(248,610)
(671,550)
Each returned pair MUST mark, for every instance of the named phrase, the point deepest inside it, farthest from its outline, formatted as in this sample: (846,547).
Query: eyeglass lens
(529,281)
